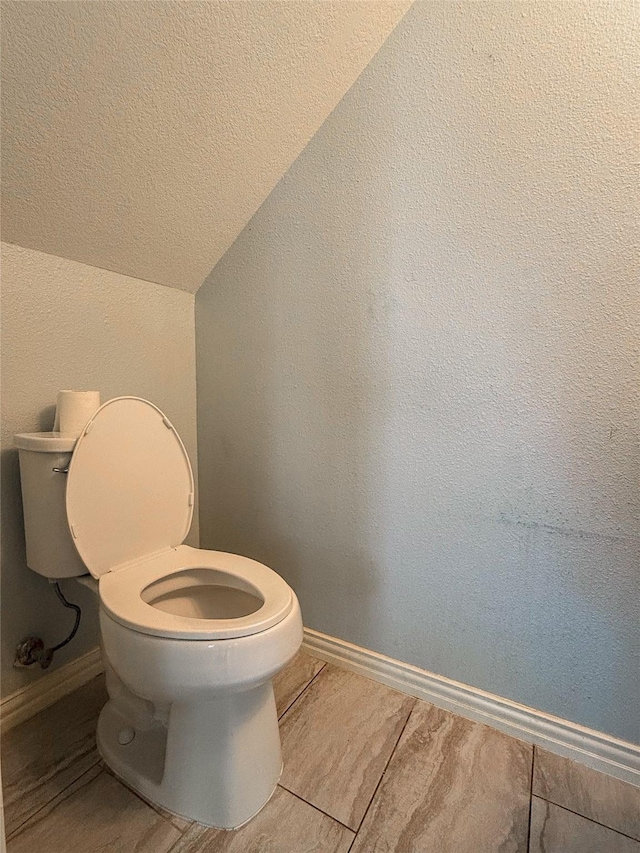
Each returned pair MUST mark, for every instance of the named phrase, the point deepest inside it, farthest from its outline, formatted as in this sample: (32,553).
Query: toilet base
(216,762)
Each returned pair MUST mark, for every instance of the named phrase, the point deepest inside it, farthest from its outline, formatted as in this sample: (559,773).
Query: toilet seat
(129,501)
(121,595)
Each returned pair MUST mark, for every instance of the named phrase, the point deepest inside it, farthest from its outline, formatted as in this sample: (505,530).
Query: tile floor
(366,770)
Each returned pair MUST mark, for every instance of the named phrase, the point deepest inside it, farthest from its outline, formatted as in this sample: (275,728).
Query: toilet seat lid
(130,488)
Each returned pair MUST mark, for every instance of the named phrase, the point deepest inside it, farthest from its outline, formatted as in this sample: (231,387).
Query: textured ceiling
(142,137)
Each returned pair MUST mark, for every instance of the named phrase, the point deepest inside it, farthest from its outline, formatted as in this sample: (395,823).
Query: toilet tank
(50,548)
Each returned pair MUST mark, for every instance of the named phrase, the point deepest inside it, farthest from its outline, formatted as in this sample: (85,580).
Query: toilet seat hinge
(140,560)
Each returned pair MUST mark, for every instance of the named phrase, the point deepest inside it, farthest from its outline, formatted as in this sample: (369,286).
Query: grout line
(33,814)
(386,767)
(355,836)
(178,844)
(326,814)
(533,761)
(584,817)
(302,692)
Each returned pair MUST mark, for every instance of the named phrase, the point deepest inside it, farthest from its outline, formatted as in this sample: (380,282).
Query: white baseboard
(35,697)
(597,750)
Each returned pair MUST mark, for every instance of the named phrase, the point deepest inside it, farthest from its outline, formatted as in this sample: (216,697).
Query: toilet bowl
(191,638)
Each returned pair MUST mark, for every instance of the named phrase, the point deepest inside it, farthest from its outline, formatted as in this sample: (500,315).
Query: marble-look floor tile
(337,739)
(95,817)
(556,830)
(580,789)
(45,754)
(46,810)
(285,825)
(452,786)
(293,679)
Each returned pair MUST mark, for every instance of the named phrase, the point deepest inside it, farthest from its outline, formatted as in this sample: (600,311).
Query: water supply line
(31,650)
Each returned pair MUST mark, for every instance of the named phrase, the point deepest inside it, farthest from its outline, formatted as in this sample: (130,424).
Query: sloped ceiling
(142,136)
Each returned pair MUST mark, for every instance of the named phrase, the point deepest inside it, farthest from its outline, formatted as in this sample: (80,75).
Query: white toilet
(191,638)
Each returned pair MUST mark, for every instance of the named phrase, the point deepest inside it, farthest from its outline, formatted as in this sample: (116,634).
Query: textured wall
(67,325)
(141,137)
(417,366)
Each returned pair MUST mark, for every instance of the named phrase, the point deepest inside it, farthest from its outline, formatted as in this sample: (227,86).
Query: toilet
(191,638)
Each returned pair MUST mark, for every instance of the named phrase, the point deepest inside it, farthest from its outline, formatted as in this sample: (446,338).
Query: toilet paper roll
(74,410)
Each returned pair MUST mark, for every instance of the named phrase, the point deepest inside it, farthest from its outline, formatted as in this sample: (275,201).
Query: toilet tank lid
(130,487)
(44,442)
